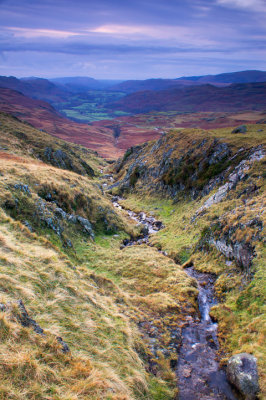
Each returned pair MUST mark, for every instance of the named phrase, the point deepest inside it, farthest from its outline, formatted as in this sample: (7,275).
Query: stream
(198,372)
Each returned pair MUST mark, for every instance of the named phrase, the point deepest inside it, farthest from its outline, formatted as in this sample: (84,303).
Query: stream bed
(198,372)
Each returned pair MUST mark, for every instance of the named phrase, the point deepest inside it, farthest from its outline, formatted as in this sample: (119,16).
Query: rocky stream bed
(199,374)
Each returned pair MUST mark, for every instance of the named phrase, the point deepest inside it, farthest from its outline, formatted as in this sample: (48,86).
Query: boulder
(240,129)
(243,374)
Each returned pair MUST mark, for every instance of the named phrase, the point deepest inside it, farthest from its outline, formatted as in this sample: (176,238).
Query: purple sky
(120,39)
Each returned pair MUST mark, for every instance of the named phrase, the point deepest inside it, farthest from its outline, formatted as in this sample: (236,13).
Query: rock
(145,230)
(28,225)
(87,228)
(23,188)
(65,348)
(243,374)
(240,129)
(25,320)
(157,224)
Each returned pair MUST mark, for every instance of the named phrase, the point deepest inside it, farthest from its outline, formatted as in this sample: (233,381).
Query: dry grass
(93,295)
(241,313)
(22,139)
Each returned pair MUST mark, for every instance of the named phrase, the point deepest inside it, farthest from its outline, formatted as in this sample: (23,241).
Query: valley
(137,298)
(132,244)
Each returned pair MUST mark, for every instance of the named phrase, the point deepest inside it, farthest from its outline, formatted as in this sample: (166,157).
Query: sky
(122,39)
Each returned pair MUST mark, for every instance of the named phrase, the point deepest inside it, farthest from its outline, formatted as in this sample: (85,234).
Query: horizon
(106,79)
(113,40)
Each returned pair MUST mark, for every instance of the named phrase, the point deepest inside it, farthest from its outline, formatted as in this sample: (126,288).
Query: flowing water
(198,372)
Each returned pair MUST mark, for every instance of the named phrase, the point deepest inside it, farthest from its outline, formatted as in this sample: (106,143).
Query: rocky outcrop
(52,217)
(61,159)
(242,253)
(193,172)
(243,374)
(224,238)
(239,173)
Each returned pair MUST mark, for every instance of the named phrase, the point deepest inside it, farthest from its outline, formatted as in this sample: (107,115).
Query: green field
(90,106)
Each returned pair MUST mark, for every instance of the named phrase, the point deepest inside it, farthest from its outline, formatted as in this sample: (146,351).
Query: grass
(22,139)
(90,107)
(238,218)
(92,294)
(106,303)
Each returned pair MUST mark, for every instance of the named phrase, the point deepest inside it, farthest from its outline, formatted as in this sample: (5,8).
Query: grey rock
(28,225)
(23,188)
(242,253)
(221,151)
(87,228)
(239,173)
(240,129)
(243,374)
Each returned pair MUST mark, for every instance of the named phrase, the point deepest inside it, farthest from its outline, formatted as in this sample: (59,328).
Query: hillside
(136,127)
(43,116)
(89,308)
(132,86)
(236,97)
(229,77)
(101,138)
(78,84)
(37,88)
(71,302)
(208,188)
(22,139)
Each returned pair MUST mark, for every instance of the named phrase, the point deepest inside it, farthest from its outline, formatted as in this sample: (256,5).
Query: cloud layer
(115,40)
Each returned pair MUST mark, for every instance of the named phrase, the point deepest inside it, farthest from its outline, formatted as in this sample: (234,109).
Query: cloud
(176,33)
(37,33)
(59,36)
(254,5)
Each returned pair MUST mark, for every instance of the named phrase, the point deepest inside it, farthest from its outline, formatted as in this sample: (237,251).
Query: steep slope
(237,97)
(71,301)
(209,190)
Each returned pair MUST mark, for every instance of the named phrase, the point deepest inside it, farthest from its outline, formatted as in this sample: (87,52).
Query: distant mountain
(36,88)
(231,77)
(79,84)
(236,97)
(132,86)
(226,79)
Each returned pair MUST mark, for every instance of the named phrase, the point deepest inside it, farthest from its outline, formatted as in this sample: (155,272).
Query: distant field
(90,106)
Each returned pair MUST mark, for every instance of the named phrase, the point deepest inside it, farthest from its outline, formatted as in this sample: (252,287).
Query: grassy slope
(22,139)
(91,294)
(241,312)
